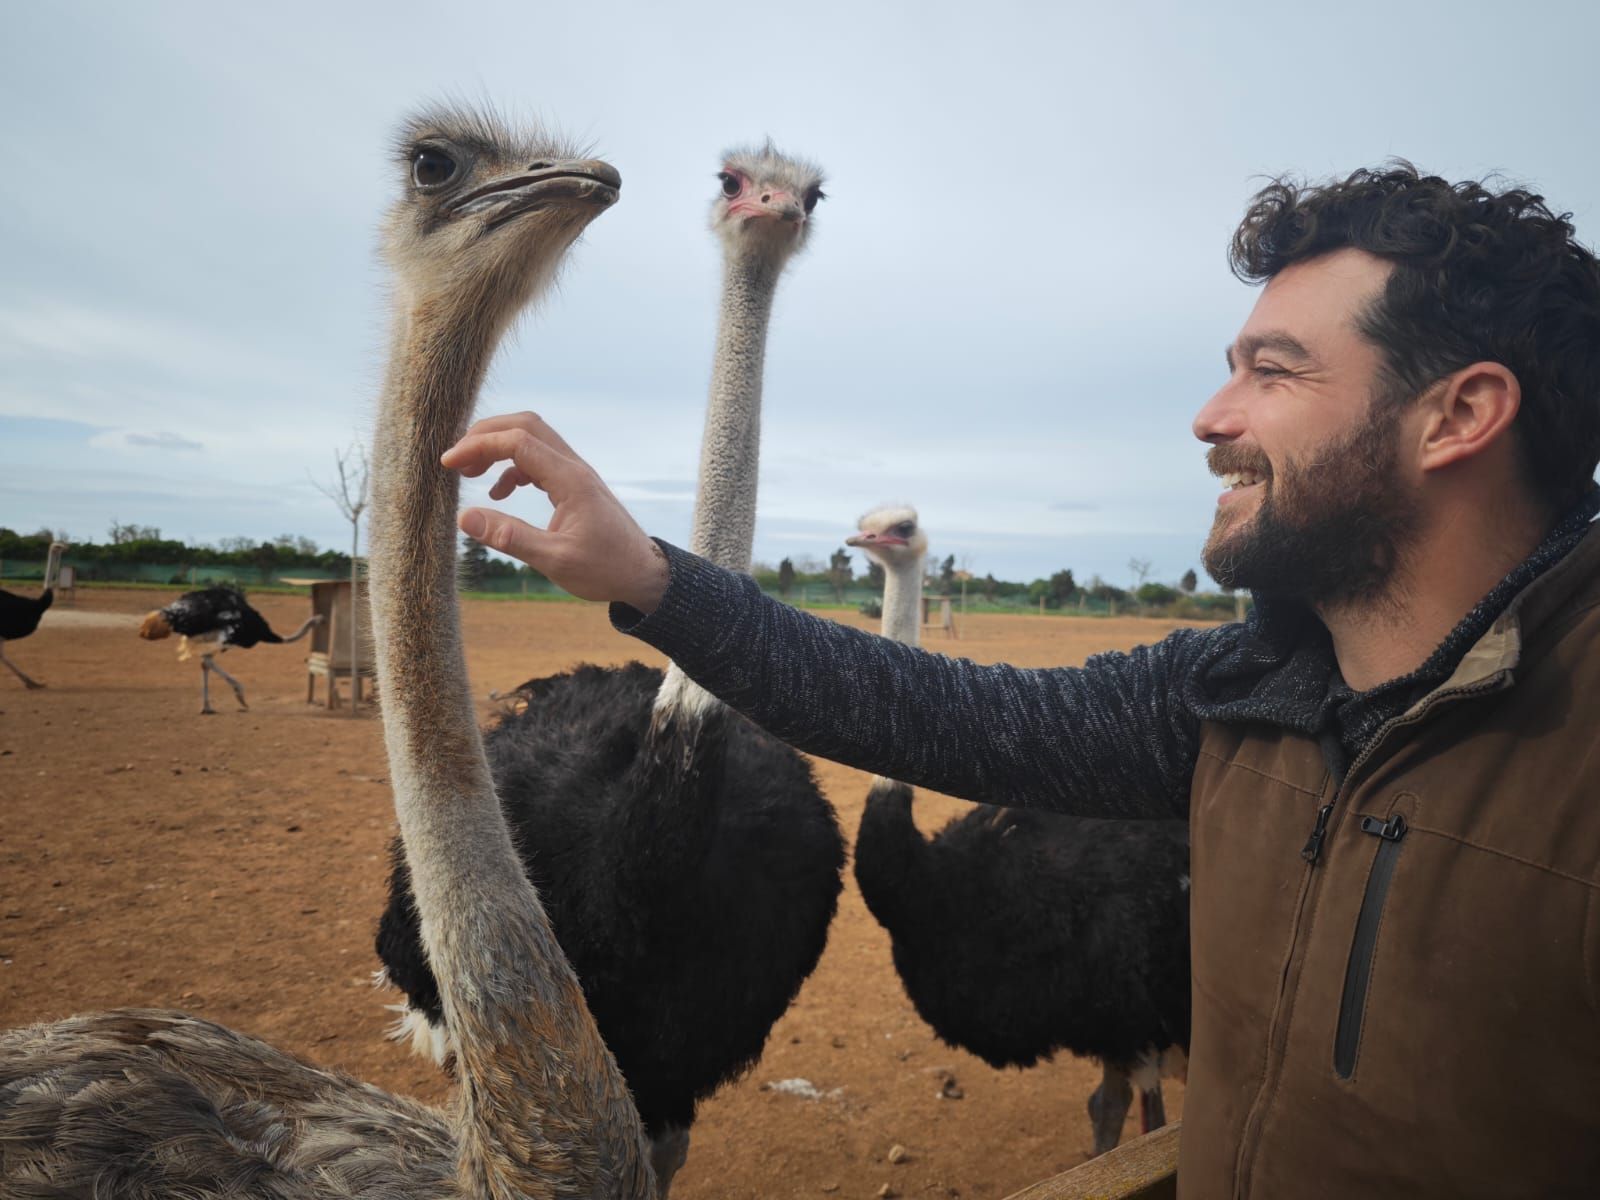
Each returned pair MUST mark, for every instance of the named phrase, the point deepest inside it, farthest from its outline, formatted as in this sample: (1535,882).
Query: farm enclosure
(234,866)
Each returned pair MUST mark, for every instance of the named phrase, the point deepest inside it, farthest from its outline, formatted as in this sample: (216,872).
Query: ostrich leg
(1152,1109)
(1109,1105)
(30,684)
(238,691)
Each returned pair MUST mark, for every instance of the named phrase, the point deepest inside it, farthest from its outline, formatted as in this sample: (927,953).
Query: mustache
(1228,457)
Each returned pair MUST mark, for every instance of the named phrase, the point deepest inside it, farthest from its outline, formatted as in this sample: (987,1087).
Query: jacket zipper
(1364,947)
(1244,1159)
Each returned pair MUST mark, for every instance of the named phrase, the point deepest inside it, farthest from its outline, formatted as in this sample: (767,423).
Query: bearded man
(1389,772)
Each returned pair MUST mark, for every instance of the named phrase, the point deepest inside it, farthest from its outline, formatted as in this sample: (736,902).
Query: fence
(801,595)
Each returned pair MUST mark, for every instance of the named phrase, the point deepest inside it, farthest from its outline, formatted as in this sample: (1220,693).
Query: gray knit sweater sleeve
(1108,739)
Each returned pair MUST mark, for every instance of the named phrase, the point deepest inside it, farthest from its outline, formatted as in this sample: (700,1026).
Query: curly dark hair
(1479,276)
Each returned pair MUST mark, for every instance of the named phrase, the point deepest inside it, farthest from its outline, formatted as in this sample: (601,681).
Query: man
(1392,788)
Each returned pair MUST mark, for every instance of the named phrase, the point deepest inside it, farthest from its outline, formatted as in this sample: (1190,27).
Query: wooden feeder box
(330,641)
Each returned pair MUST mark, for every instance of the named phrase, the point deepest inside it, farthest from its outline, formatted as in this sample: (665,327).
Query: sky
(1013,302)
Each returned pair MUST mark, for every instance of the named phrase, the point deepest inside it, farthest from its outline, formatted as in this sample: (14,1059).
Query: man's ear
(1466,413)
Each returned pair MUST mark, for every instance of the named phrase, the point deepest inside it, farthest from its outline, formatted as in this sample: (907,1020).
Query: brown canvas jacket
(1417,1012)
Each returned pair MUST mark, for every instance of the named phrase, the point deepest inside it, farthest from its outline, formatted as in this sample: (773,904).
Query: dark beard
(1328,531)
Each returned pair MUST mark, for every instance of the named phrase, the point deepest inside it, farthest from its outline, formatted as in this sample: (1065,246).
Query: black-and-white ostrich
(689,863)
(215,619)
(20,615)
(1018,933)
(146,1104)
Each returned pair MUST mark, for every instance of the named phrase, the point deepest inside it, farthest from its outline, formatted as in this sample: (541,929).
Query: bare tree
(351,498)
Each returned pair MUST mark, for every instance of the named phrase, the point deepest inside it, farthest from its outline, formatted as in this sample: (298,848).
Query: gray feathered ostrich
(20,615)
(1018,933)
(147,1104)
(215,619)
(690,865)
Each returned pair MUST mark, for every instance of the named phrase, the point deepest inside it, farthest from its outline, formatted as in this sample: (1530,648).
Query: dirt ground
(234,866)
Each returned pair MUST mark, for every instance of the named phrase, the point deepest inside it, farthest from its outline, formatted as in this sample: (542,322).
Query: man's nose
(1221,418)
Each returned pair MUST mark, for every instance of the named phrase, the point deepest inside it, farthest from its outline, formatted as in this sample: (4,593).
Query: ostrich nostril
(766,197)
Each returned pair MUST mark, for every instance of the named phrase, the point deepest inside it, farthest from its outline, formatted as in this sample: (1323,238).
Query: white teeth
(1235,479)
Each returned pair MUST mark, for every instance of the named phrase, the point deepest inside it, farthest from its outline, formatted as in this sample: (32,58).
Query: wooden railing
(1143,1169)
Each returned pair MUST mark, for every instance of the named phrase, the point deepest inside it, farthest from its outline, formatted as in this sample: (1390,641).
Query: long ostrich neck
(542,1109)
(52,565)
(902,601)
(730,450)
(890,852)
(304,629)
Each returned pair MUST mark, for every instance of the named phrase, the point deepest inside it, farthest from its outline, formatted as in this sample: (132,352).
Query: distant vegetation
(139,554)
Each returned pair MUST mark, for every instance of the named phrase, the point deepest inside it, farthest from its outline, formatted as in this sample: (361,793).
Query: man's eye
(1268,370)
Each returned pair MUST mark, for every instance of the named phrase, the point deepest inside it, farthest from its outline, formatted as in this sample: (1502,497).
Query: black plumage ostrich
(688,862)
(215,619)
(20,615)
(1018,933)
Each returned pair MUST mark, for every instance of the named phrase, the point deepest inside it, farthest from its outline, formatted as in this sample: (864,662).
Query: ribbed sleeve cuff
(693,609)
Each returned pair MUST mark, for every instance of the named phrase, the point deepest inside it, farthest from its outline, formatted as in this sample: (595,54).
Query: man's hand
(592,547)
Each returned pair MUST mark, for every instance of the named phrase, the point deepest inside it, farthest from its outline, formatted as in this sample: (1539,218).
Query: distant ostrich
(1018,933)
(20,615)
(216,618)
(689,863)
(142,1103)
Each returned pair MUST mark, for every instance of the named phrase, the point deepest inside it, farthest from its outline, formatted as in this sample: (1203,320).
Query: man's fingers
(542,465)
(529,422)
(510,480)
(505,533)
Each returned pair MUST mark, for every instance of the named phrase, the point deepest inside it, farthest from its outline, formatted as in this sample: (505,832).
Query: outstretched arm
(1107,739)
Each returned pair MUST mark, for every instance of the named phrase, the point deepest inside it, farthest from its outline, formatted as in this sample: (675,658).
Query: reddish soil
(234,866)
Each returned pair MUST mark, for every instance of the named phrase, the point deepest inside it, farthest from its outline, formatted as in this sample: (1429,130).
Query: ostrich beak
(874,539)
(547,184)
(773,204)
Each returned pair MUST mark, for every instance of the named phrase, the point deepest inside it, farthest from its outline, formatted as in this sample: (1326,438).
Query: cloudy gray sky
(1014,300)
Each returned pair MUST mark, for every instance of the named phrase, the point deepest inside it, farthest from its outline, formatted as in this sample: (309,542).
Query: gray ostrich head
(765,201)
(485,215)
(892,535)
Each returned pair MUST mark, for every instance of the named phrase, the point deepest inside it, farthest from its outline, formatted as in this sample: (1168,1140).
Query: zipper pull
(1313,846)
(1391,830)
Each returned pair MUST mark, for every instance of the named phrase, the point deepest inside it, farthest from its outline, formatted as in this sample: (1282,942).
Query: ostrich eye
(431,168)
(812,196)
(905,529)
(730,183)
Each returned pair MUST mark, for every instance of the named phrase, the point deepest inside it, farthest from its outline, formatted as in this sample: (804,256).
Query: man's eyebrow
(1278,343)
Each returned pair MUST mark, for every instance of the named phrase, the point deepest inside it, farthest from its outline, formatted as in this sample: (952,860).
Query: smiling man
(1389,770)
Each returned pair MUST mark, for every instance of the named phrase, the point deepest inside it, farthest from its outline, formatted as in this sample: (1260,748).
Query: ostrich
(215,618)
(20,615)
(690,865)
(140,1103)
(1018,933)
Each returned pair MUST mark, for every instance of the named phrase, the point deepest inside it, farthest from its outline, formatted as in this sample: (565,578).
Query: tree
(786,577)
(875,575)
(839,573)
(351,499)
(1156,594)
(947,573)
(1141,570)
(1189,582)
(989,584)
(474,562)
(122,534)
(1062,587)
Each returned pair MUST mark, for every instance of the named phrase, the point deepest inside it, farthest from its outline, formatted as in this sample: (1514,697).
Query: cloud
(162,441)
(126,439)
(1073,506)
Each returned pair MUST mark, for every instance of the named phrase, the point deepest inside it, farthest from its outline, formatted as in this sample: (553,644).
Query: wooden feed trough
(330,641)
